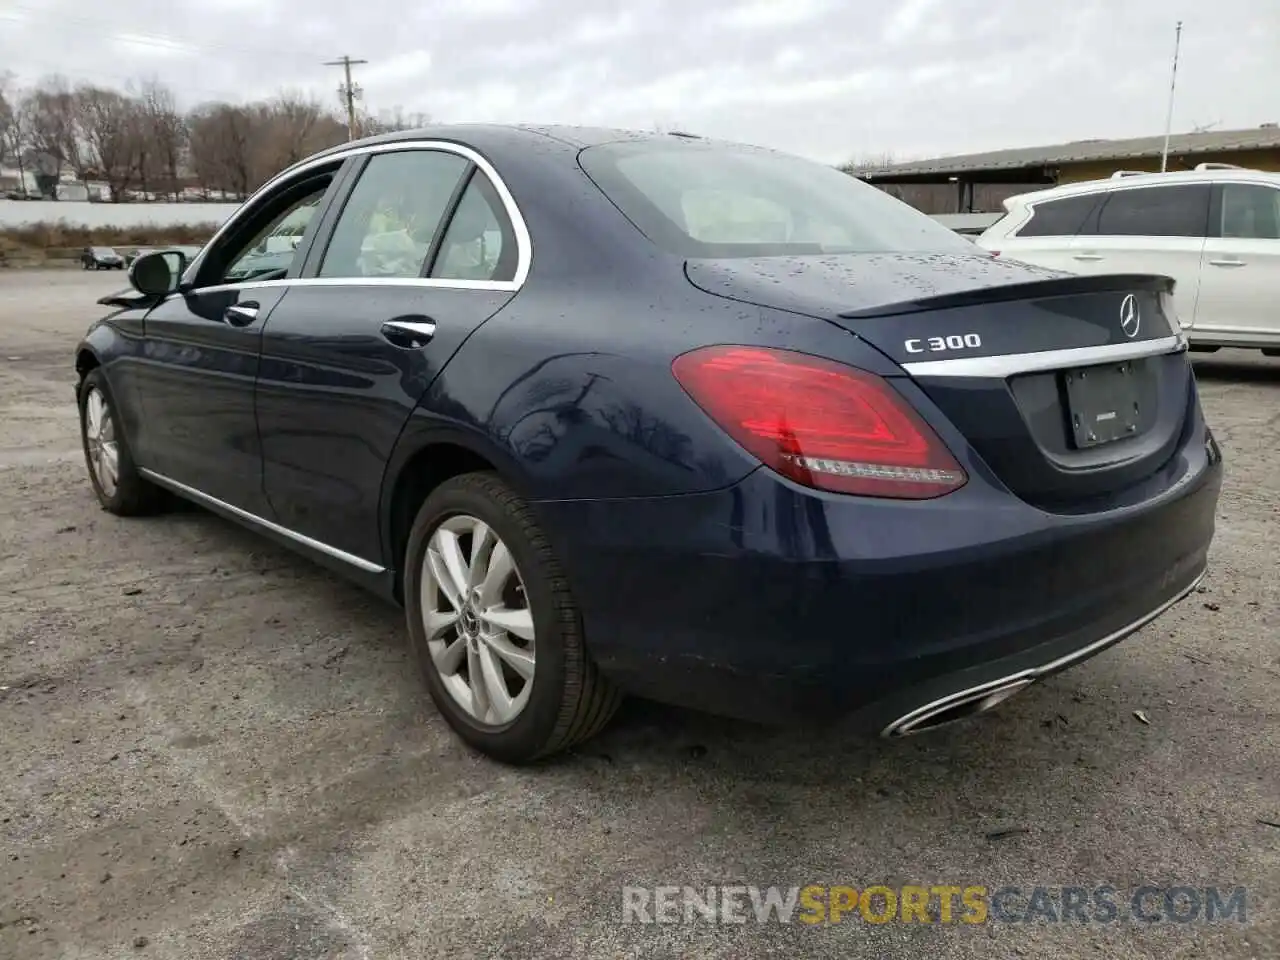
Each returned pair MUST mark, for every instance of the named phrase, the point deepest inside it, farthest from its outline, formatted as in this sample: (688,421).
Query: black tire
(133,495)
(570,700)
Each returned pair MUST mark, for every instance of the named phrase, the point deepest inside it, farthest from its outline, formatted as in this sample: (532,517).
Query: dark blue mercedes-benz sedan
(702,422)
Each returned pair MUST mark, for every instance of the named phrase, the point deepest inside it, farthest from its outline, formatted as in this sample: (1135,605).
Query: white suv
(1215,230)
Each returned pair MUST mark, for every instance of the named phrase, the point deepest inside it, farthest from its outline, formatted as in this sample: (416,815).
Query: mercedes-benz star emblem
(1130,318)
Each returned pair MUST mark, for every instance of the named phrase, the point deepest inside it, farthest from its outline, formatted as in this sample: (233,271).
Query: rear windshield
(714,200)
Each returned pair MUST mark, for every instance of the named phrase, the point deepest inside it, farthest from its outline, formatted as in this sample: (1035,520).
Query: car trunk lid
(1070,388)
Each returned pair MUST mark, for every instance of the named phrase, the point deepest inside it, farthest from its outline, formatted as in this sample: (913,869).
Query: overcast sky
(831,79)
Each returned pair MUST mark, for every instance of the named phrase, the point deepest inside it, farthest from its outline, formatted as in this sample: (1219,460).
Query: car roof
(487,137)
(1214,175)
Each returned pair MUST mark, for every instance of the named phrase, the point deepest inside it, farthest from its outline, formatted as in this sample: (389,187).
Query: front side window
(1059,218)
(269,251)
(1250,211)
(712,200)
(391,218)
(1175,211)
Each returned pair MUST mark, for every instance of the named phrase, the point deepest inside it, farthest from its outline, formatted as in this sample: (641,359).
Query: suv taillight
(820,423)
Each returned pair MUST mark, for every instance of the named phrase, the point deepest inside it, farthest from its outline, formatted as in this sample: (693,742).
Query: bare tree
(289,128)
(111,126)
(50,111)
(11,141)
(137,138)
(221,141)
(863,162)
(7,110)
(165,132)
(389,121)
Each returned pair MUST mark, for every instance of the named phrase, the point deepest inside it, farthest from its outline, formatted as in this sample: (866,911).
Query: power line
(348,91)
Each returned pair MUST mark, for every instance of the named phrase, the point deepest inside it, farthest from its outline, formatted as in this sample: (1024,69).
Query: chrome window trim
(1015,363)
(217,505)
(490,285)
(524,242)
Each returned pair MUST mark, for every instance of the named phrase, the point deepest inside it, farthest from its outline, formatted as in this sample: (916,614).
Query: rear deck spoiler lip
(1060,286)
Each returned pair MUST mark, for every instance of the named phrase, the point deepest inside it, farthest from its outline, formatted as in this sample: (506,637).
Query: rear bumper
(914,708)
(770,602)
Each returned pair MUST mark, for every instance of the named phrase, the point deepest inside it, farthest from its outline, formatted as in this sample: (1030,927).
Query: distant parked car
(134,254)
(1214,230)
(101,258)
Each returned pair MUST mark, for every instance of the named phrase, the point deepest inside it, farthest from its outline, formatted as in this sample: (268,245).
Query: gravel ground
(210,748)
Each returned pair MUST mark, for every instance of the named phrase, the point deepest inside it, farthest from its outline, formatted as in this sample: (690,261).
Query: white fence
(80,213)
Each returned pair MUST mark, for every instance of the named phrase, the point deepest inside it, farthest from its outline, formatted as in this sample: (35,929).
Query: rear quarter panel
(570,387)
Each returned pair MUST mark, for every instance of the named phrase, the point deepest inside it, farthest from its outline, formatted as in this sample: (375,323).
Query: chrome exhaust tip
(957,706)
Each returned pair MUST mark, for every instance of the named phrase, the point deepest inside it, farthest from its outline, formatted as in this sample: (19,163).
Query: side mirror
(157,274)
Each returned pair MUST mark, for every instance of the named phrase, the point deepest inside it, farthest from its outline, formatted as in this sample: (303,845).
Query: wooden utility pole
(348,91)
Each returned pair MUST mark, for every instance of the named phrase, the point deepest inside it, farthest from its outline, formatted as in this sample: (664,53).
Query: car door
(1157,229)
(423,251)
(1240,271)
(201,351)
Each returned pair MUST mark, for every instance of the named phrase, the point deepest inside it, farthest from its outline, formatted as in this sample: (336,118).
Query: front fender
(111,343)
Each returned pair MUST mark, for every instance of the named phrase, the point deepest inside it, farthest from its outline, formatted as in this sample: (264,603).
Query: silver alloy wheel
(478,623)
(100,435)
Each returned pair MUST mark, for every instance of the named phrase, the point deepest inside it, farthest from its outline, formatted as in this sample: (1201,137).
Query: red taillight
(820,423)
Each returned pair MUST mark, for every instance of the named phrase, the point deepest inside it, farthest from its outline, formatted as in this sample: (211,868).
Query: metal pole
(1173,82)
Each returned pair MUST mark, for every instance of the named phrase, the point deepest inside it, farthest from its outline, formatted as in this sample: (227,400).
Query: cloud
(404,68)
(826,78)
(907,20)
(765,14)
(144,45)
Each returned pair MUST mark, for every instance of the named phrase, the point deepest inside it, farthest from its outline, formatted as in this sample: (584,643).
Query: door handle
(1086,256)
(409,334)
(241,314)
(1227,263)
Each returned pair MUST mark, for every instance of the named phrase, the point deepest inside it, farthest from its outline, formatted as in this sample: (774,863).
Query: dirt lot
(210,748)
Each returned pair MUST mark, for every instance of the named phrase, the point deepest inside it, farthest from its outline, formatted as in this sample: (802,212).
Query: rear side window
(1175,211)
(393,214)
(480,243)
(1250,211)
(1059,218)
(699,199)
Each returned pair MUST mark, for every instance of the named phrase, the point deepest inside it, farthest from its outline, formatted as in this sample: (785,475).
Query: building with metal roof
(977,182)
